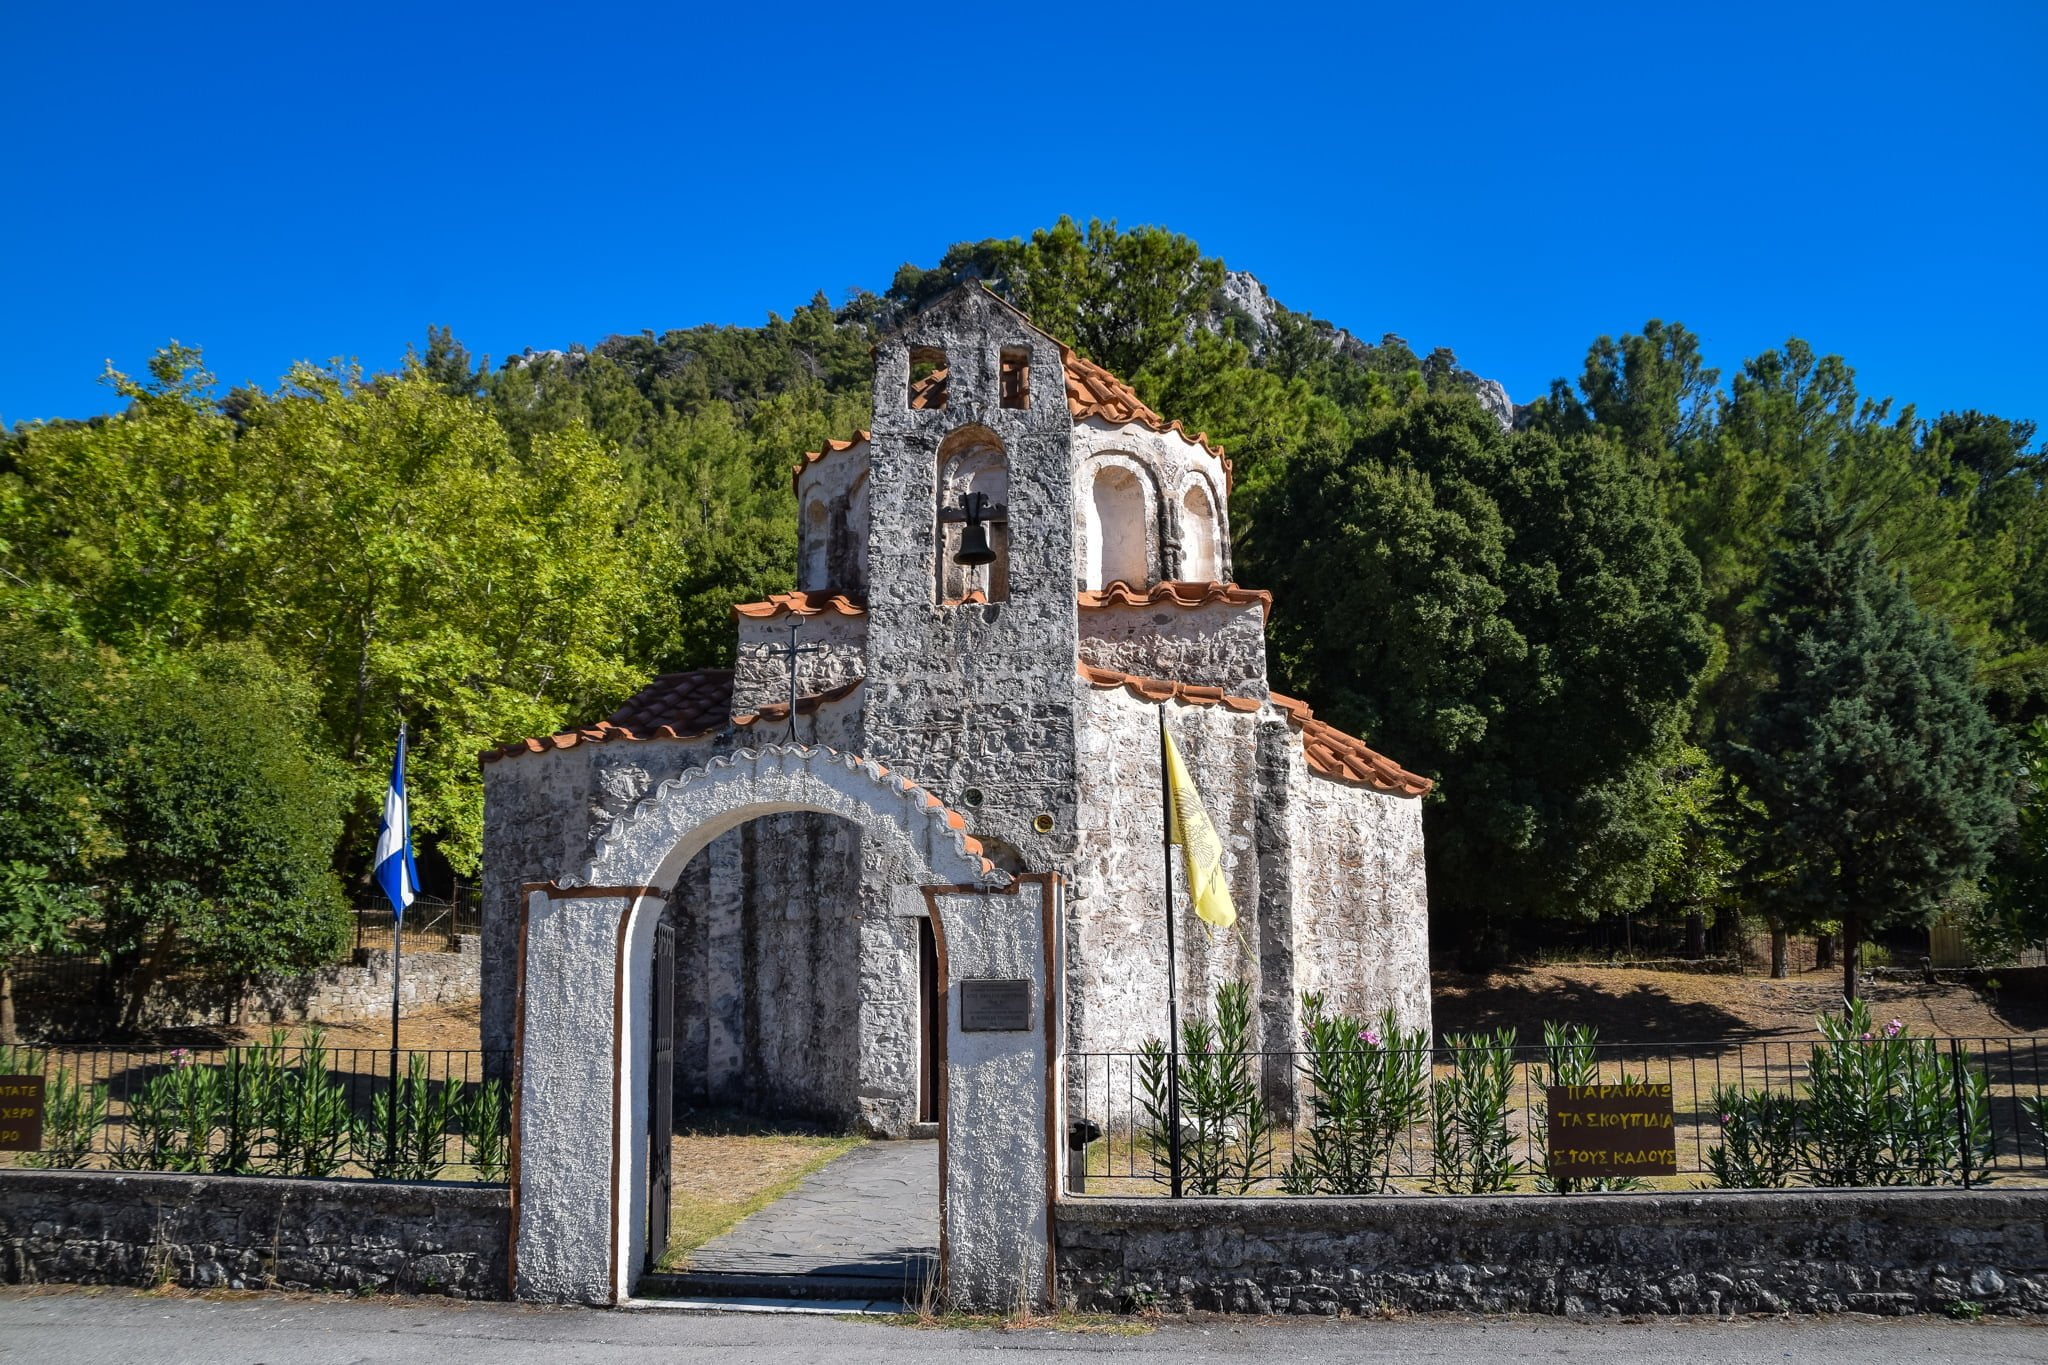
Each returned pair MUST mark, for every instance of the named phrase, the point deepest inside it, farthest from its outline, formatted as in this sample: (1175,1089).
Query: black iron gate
(661,1086)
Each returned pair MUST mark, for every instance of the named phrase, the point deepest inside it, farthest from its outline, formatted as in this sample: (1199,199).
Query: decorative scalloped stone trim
(788,777)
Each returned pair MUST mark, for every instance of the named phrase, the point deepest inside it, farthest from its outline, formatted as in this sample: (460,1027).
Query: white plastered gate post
(580,1116)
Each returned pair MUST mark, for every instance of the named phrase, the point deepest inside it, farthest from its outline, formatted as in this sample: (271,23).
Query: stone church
(1000,585)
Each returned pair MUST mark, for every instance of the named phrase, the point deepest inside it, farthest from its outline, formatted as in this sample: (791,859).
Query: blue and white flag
(394,867)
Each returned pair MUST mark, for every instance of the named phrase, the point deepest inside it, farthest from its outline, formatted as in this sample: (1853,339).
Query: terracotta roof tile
(801,604)
(930,391)
(1094,392)
(1329,750)
(1186,593)
(673,706)
(832,447)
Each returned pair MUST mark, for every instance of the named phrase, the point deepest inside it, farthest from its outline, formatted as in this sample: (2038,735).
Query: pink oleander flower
(178,1057)
(1868,1035)
(1371,1036)
(1891,1030)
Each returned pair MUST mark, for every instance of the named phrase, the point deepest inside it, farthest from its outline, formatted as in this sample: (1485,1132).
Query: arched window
(1201,559)
(1116,530)
(817,547)
(972,460)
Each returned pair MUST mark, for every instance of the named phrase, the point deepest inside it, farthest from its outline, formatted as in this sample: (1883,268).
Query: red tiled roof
(1336,754)
(1094,392)
(832,447)
(1329,750)
(1176,593)
(673,706)
(801,604)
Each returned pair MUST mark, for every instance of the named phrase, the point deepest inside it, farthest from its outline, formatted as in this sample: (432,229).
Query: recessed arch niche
(973,460)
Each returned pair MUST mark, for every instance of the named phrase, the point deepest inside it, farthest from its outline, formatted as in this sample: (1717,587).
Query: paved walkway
(872,1214)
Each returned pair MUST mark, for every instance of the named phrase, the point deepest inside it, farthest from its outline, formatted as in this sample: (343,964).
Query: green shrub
(485,1120)
(1224,1128)
(307,1120)
(171,1119)
(1881,1107)
(425,1110)
(1469,1116)
(1760,1142)
(73,1114)
(1367,1086)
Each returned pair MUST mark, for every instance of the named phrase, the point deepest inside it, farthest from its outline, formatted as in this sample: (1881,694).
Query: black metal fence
(268,1109)
(1822,1113)
(429,921)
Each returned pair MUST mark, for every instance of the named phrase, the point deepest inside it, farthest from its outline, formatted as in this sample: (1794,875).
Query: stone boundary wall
(1803,1251)
(253,1232)
(60,1004)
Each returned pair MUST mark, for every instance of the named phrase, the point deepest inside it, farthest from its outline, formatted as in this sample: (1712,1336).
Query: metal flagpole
(397,957)
(1172,973)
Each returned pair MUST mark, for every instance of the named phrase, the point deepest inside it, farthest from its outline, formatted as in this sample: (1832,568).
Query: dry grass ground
(1629,1005)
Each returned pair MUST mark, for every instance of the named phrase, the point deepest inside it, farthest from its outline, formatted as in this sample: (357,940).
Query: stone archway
(580,1104)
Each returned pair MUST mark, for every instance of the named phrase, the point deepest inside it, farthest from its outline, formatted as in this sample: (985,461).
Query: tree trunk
(1695,936)
(145,976)
(1852,954)
(7,1004)
(1823,951)
(1779,944)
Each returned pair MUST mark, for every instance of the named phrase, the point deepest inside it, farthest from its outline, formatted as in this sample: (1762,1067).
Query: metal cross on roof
(791,652)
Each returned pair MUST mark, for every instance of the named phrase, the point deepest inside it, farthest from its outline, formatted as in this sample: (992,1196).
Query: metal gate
(661,1087)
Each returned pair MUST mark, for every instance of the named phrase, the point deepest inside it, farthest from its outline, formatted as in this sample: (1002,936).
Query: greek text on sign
(994,1006)
(21,1113)
(1611,1130)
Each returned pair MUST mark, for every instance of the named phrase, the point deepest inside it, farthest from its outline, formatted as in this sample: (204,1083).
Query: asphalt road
(118,1327)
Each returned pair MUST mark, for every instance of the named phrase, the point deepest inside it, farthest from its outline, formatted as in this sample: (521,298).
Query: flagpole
(1172,973)
(397,959)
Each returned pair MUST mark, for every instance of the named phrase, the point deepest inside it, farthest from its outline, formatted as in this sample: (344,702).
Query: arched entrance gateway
(585,1044)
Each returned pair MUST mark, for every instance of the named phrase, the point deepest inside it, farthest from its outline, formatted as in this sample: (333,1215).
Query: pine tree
(1875,772)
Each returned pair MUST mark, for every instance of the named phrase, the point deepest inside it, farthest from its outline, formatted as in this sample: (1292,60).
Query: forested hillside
(1579,623)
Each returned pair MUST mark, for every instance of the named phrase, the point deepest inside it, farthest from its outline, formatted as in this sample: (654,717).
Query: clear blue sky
(284,181)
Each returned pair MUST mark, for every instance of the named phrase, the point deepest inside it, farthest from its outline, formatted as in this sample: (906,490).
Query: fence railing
(1822,1113)
(429,921)
(269,1109)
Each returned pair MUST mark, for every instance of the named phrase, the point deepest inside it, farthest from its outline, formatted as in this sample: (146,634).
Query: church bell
(974,547)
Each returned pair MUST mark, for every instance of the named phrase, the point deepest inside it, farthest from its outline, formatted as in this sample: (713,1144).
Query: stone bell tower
(971,669)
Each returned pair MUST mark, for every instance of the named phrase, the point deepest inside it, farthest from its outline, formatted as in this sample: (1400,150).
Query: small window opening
(1016,377)
(928,375)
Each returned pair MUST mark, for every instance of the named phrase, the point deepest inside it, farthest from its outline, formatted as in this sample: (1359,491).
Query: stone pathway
(872,1214)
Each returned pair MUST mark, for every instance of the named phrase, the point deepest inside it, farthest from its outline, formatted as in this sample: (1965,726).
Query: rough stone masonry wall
(56,1006)
(544,812)
(1214,645)
(241,1232)
(975,697)
(1116,951)
(1361,896)
(1889,1252)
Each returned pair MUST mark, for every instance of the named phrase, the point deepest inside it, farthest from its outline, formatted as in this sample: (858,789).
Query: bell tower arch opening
(973,515)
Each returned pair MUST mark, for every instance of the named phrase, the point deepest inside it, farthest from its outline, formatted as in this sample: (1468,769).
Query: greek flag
(394,867)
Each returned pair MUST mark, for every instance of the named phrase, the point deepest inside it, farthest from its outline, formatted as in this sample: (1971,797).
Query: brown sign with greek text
(1611,1130)
(21,1113)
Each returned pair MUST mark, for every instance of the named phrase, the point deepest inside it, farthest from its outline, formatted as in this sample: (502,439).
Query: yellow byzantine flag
(1201,851)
